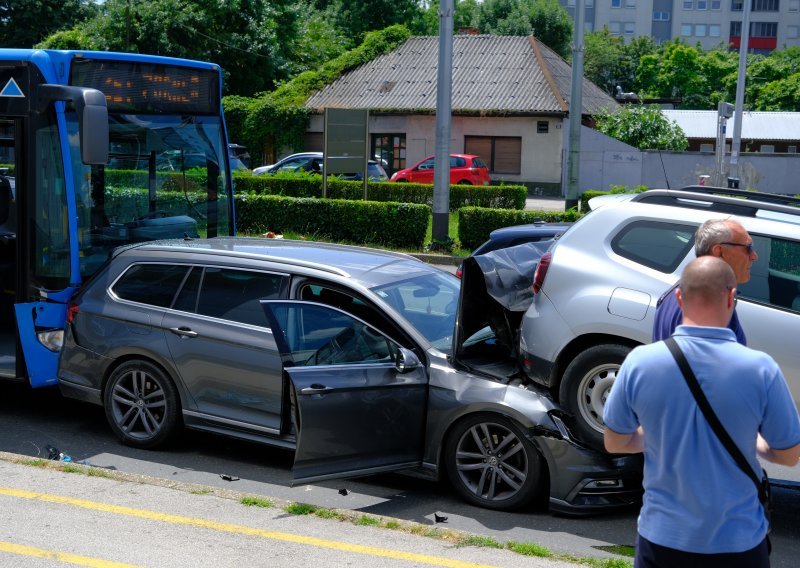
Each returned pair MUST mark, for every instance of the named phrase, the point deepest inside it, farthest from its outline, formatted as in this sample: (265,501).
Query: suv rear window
(660,246)
(153,284)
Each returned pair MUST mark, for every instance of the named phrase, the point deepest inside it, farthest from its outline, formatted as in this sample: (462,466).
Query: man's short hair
(707,278)
(710,233)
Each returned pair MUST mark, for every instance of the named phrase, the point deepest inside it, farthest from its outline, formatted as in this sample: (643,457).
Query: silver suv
(597,288)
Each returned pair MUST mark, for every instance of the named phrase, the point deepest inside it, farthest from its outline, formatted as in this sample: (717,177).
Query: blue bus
(97,150)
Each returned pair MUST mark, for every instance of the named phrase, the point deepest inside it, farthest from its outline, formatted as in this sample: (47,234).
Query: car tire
(464,182)
(585,387)
(504,480)
(141,404)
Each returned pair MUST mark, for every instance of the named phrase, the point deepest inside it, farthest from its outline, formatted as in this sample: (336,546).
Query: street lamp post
(444,87)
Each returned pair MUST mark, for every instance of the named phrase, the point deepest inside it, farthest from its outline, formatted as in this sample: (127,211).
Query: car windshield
(428,301)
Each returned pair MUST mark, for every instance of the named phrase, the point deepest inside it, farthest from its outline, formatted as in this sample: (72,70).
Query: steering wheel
(333,349)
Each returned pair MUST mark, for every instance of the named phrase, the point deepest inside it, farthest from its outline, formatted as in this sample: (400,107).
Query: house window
(661,16)
(791,149)
(614,28)
(737,5)
(716,4)
(708,148)
(630,3)
(714,30)
(503,154)
(736,29)
(702,5)
(616,3)
(792,32)
(700,30)
(542,127)
(765,5)
(686,30)
(630,27)
(794,5)
(764,29)
(767,148)
(688,4)
(390,151)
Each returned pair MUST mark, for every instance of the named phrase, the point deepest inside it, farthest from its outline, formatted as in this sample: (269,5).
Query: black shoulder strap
(708,412)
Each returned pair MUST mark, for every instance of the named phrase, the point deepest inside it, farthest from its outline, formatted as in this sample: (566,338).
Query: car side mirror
(406,360)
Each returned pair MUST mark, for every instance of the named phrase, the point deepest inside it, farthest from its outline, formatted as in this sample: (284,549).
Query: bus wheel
(141,404)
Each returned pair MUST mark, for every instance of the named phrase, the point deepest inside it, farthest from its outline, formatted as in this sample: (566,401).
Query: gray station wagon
(342,354)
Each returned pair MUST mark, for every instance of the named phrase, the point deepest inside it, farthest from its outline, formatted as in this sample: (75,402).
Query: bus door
(8,249)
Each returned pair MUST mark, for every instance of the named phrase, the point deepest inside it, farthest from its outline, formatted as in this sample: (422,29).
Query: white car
(597,288)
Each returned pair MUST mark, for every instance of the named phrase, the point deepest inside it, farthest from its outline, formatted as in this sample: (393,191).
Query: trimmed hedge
(587,195)
(492,196)
(401,225)
(475,223)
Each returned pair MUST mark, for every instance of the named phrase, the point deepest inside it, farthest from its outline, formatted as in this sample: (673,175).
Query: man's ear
(679,297)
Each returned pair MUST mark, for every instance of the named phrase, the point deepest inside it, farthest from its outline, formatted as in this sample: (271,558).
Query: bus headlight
(52,339)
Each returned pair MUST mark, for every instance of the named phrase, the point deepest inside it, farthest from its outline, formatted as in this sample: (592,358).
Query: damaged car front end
(496,291)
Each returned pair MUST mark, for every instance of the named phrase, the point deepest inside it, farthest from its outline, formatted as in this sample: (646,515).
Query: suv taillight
(541,271)
(72,311)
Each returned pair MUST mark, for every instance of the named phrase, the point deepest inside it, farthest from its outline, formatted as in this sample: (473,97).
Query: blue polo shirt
(696,498)
(669,316)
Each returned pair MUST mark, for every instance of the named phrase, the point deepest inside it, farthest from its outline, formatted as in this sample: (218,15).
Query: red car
(464,168)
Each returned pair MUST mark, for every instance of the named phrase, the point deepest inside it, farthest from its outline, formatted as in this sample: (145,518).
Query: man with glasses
(722,238)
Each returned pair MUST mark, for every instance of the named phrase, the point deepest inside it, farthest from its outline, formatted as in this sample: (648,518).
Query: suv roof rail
(723,200)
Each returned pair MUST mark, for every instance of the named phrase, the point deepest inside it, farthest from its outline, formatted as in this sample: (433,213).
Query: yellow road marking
(60,556)
(240,529)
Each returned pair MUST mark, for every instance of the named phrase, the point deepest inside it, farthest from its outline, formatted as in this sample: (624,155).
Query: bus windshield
(165,178)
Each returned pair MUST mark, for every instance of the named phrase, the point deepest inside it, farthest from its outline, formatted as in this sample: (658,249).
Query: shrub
(475,223)
(493,196)
(401,225)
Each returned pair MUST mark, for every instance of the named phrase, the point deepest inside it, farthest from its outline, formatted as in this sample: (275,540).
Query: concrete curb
(439,258)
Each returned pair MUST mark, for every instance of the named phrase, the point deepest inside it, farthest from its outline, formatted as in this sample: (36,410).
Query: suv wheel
(585,387)
(141,404)
(492,464)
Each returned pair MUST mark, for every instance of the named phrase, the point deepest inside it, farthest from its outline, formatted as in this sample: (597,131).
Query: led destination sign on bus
(149,88)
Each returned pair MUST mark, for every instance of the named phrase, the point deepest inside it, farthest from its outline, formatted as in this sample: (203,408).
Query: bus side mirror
(90,105)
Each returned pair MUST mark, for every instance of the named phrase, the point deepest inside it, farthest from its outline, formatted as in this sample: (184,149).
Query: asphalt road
(30,421)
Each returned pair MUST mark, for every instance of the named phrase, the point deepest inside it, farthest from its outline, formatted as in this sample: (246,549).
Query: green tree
(24,23)
(675,71)
(642,126)
(257,42)
(602,55)
(780,95)
(355,18)
(545,19)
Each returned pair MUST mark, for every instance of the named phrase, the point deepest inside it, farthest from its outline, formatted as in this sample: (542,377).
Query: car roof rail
(724,200)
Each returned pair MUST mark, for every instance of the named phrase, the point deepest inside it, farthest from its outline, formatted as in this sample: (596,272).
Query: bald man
(699,507)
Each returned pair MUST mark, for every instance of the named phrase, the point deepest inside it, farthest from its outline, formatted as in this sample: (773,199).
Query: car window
(457,162)
(775,276)
(292,165)
(427,164)
(478,163)
(657,245)
(153,284)
(230,294)
(319,335)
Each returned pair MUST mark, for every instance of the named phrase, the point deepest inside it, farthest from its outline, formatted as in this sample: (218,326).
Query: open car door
(359,400)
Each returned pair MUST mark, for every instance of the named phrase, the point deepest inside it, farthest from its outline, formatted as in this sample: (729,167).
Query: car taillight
(459,271)
(72,311)
(541,271)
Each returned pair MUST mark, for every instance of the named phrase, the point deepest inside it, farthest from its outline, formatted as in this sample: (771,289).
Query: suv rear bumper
(543,334)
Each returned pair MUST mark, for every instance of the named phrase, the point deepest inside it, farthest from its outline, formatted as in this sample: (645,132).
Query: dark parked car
(339,353)
(312,162)
(540,234)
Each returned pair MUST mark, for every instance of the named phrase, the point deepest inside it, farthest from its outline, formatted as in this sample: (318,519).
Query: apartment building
(774,24)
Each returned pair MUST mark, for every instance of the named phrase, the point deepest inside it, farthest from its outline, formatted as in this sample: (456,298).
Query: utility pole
(734,174)
(444,88)
(575,111)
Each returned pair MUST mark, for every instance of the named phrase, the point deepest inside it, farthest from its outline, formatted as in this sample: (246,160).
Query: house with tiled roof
(510,102)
